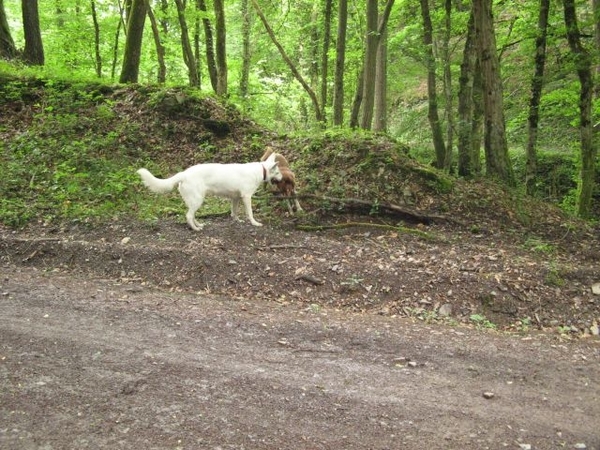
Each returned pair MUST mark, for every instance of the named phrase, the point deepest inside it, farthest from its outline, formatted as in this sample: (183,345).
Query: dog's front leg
(247,199)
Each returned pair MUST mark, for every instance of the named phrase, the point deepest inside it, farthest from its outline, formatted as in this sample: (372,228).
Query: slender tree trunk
(583,64)
(211,61)
(220,48)
(478,118)
(432,115)
(448,92)
(359,94)
(340,57)
(370,65)
(465,102)
(596,11)
(380,117)
(498,163)
(246,56)
(98,57)
(161,76)
(537,83)
(7,45)
(188,53)
(325,54)
(33,54)
(290,64)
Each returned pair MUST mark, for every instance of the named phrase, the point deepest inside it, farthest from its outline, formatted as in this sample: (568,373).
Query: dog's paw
(256,224)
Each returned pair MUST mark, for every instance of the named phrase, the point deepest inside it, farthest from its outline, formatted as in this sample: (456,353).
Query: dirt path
(90,363)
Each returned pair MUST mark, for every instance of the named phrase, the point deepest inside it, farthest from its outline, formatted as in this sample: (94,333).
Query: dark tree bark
(380,115)
(98,57)
(133,43)
(211,61)
(495,144)
(448,91)
(583,65)
(466,103)
(33,54)
(340,57)
(537,83)
(246,55)
(7,45)
(220,48)
(325,54)
(432,114)
(370,65)
(161,76)
(359,94)
(188,54)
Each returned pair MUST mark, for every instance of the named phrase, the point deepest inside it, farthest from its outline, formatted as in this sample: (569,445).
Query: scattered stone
(125,240)
(580,445)
(525,446)
(594,329)
(488,395)
(596,288)
(445,310)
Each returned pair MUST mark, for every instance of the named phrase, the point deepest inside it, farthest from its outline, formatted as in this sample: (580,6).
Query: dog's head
(287,185)
(272,172)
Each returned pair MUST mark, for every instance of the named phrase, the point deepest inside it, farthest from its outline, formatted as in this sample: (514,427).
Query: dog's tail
(158,185)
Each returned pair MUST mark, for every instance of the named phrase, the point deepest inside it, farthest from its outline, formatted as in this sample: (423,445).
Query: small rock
(488,395)
(580,445)
(525,446)
(125,240)
(445,310)
(596,288)
(595,329)
(412,364)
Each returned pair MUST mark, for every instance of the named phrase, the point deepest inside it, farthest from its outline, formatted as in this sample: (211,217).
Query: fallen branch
(389,208)
(337,226)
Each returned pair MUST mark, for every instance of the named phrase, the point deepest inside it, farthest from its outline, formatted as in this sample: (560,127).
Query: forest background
(508,90)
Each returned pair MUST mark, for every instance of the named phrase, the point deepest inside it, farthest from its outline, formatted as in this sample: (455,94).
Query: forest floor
(129,335)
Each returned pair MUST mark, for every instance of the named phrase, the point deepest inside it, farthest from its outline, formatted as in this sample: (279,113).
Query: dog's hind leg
(235,204)
(193,200)
(247,199)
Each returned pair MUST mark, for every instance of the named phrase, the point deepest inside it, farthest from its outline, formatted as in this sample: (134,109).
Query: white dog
(234,181)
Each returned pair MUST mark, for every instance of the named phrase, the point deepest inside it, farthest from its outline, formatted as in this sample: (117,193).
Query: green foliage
(482,322)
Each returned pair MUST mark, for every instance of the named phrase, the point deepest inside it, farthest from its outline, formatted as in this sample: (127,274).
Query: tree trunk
(133,43)
(161,77)
(325,54)
(33,54)
(290,64)
(380,117)
(246,55)
(432,115)
(340,57)
(220,48)
(448,96)
(188,53)
(98,57)
(370,65)
(210,53)
(359,94)
(495,144)
(537,83)
(583,64)
(7,45)
(466,103)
